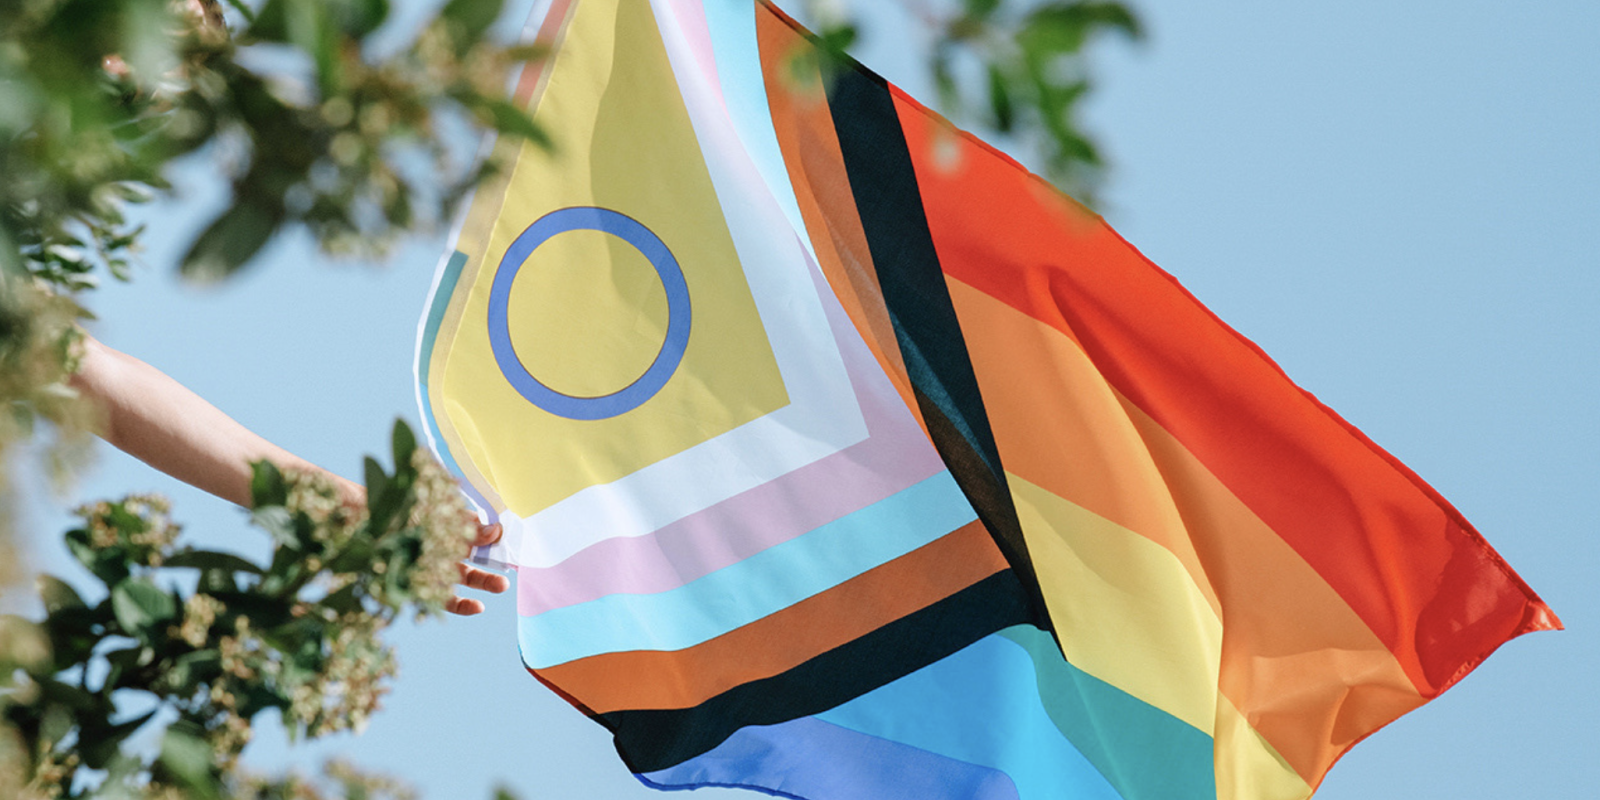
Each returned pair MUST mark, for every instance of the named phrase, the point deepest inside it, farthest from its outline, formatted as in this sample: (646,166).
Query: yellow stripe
(627,145)
(1247,766)
(1060,425)
(1127,613)
(1124,607)
(1301,665)
(486,201)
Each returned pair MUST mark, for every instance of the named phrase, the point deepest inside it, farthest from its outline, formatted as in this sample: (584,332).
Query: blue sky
(1397,201)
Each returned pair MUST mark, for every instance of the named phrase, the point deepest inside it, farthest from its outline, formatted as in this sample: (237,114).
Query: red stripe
(1415,571)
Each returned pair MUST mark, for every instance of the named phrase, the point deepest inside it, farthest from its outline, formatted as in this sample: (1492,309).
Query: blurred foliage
(1017,67)
(185,647)
(315,126)
(99,97)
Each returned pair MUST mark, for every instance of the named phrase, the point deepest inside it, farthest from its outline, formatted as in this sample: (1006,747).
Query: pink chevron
(894,455)
(690,17)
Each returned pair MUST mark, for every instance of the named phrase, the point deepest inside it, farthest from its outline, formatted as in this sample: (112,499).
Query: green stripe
(430,333)
(1146,753)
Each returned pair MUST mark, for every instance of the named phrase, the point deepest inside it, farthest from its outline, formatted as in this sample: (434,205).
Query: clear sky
(1396,200)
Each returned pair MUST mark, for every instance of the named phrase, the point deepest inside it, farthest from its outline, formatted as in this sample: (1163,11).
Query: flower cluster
(40,345)
(23,646)
(50,777)
(448,529)
(199,612)
(139,526)
(14,767)
(338,779)
(348,689)
(334,519)
(300,634)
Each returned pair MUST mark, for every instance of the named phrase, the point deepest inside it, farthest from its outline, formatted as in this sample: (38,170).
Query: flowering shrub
(291,100)
(314,126)
(212,639)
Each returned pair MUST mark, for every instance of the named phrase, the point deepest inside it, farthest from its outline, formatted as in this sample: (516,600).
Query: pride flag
(840,457)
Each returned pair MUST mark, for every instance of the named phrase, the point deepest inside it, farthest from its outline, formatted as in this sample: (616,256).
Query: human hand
(474,578)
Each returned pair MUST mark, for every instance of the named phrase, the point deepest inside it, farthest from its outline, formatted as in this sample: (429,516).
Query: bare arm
(159,421)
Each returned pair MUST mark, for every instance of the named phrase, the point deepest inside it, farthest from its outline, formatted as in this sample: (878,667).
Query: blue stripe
(738,54)
(748,590)
(1146,753)
(448,278)
(808,758)
(981,706)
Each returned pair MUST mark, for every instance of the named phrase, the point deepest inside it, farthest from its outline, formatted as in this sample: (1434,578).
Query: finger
(488,534)
(464,607)
(474,578)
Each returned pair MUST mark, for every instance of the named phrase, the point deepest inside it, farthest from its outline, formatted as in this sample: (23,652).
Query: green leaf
(72,635)
(312,28)
(189,758)
(357,18)
(109,564)
(125,661)
(140,605)
(1063,27)
(838,38)
(57,594)
(945,80)
(981,8)
(471,17)
(255,699)
(190,669)
(1115,16)
(230,241)
(207,559)
(271,23)
(404,443)
(395,580)
(97,745)
(1047,35)
(382,502)
(267,487)
(1000,100)
(217,580)
(278,523)
(264,612)
(344,601)
(78,544)
(356,557)
(65,694)
(507,117)
(131,657)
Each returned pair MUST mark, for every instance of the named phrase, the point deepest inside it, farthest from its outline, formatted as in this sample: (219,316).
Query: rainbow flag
(840,457)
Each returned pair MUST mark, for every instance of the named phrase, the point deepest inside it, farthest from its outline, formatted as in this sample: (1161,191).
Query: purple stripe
(808,758)
(894,455)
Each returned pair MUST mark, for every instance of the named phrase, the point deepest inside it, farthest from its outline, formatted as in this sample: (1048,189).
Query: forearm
(157,420)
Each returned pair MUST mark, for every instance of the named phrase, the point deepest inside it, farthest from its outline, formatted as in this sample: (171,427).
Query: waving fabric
(840,457)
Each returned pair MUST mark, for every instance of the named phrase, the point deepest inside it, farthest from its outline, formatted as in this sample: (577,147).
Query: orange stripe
(537,71)
(786,639)
(1415,572)
(1297,661)
(1061,427)
(816,169)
